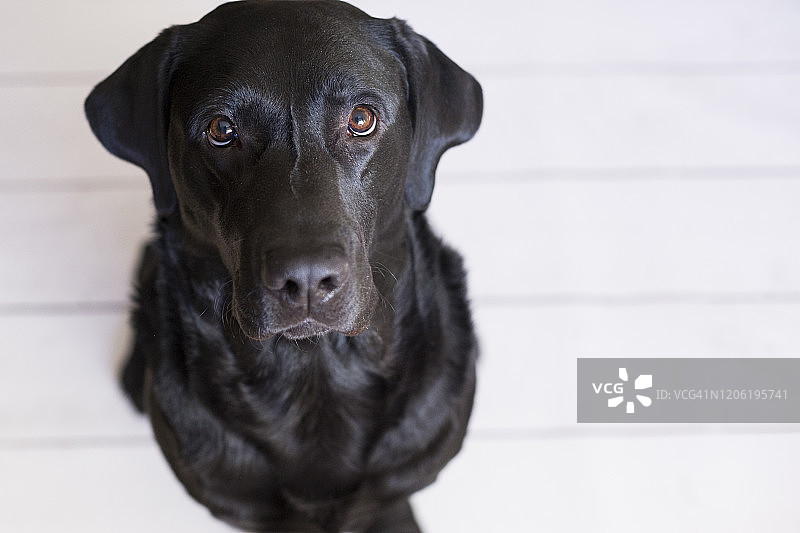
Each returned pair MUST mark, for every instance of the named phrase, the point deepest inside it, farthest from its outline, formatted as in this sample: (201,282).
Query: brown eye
(221,132)
(362,121)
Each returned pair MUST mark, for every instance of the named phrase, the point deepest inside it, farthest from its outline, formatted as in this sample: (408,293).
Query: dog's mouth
(261,323)
(305,329)
(258,330)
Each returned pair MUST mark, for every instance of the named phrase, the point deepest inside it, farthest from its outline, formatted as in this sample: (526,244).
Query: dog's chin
(306,329)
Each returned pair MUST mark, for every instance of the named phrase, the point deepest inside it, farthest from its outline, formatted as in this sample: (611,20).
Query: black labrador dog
(303,342)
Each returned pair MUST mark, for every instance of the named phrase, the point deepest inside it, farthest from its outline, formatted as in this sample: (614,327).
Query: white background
(633,192)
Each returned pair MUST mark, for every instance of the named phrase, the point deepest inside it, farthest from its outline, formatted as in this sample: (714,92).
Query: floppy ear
(446,104)
(129,114)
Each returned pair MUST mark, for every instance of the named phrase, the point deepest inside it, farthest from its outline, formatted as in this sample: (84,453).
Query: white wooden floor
(633,192)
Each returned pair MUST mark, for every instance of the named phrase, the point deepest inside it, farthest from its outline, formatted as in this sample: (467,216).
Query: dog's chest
(313,409)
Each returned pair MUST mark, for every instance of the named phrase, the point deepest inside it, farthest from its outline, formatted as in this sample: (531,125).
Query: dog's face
(290,139)
(288,152)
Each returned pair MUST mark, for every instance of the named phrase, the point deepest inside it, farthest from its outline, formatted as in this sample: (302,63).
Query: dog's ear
(445,103)
(129,114)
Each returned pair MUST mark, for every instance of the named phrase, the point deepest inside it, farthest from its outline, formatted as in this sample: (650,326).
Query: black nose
(305,279)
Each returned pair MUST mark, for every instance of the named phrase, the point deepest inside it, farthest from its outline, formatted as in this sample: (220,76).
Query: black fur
(323,411)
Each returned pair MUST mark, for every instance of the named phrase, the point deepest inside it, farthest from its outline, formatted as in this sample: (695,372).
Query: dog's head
(289,138)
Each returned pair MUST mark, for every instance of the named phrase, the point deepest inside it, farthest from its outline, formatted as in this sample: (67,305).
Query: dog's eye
(221,132)
(362,121)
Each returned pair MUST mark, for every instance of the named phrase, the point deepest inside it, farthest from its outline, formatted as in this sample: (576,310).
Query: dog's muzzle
(304,293)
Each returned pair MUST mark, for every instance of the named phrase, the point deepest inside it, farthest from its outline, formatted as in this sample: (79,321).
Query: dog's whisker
(383,270)
(386,301)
